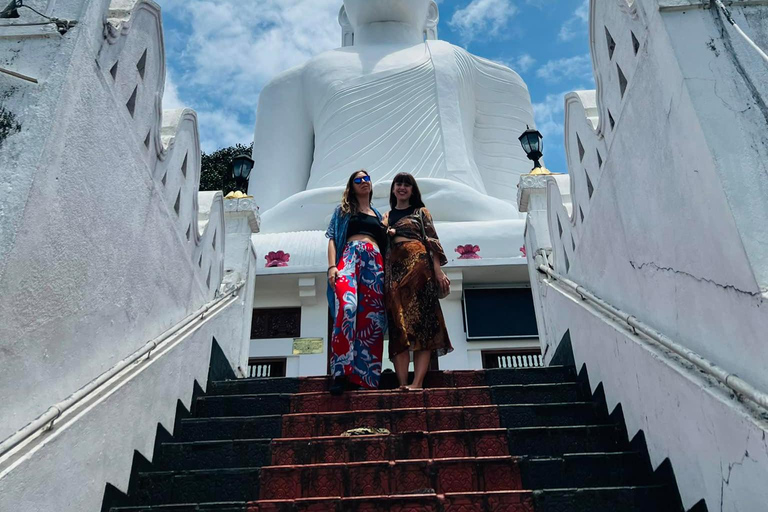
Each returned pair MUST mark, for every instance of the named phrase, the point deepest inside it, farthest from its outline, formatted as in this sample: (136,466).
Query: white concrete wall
(94,258)
(663,237)
(105,243)
(672,233)
(718,448)
(67,470)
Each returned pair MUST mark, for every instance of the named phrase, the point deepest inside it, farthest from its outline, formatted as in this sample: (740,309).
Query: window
(499,313)
(276,323)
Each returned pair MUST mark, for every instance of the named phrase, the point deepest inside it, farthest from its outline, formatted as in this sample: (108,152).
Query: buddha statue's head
(420,14)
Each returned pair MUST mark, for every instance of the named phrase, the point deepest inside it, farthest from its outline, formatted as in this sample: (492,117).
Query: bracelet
(329,268)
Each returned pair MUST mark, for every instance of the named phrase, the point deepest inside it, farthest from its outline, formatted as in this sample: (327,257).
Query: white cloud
(226,51)
(171,98)
(578,68)
(482,18)
(577,24)
(549,116)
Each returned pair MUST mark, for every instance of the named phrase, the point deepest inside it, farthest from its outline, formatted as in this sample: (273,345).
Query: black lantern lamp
(533,146)
(241,170)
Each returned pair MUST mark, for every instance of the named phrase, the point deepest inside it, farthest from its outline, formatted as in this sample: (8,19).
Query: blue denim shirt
(337,231)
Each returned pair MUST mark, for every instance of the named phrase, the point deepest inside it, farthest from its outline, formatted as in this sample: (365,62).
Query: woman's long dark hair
(408,179)
(349,204)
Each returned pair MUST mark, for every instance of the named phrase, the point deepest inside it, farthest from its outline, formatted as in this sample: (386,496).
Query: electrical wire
(733,23)
(62,24)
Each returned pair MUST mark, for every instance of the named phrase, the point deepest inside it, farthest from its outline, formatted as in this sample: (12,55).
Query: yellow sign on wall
(303,346)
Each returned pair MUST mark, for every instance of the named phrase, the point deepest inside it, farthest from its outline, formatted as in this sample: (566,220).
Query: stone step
(537,393)
(199,486)
(394,420)
(508,501)
(555,441)
(187,507)
(385,478)
(244,427)
(390,399)
(255,386)
(551,415)
(411,445)
(238,453)
(641,498)
(544,375)
(585,470)
(433,379)
(242,405)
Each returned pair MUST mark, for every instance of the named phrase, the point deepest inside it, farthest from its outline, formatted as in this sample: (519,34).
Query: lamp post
(533,145)
(241,170)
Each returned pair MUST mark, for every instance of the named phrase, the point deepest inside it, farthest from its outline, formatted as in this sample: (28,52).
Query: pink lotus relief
(522,251)
(277,259)
(469,252)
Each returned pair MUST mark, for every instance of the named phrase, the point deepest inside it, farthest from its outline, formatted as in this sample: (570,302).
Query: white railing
(274,368)
(519,361)
(45,422)
(733,382)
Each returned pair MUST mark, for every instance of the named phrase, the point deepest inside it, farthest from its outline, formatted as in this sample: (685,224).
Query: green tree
(216,168)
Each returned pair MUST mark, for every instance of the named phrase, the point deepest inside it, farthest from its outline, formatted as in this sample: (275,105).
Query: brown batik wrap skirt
(410,294)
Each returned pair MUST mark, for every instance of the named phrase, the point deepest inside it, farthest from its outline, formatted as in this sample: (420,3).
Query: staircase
(500,440)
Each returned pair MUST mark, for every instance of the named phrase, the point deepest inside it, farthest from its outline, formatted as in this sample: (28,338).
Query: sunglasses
(362,179)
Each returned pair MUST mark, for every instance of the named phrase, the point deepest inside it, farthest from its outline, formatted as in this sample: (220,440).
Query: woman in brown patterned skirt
(413,281)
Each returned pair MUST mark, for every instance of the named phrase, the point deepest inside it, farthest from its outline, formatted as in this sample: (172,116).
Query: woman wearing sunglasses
(414,283)
(356,287)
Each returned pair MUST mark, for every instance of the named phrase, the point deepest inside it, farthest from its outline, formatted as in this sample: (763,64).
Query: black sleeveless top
(395,215)
(369,225)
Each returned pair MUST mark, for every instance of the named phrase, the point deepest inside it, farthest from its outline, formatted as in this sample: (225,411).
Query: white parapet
(105,243)
(664,219)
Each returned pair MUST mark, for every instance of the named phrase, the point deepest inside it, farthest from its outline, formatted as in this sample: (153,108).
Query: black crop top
(369,225)
(395,214)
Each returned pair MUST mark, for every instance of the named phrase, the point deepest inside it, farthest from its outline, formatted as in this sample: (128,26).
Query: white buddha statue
(391,99)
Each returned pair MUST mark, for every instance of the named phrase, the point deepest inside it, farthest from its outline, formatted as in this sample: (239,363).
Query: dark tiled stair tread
(255,386)
(551,414)
(565,439)
(242,405)
(197,486)
(218,454)
(584,470)
(549,374)
(187,507)
(228,428)
(638,498)
(560,392)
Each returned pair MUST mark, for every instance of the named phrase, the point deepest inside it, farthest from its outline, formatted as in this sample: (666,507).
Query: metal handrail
(733,382)
(45,421)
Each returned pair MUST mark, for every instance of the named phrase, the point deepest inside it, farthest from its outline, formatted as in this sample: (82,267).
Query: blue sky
(220,53)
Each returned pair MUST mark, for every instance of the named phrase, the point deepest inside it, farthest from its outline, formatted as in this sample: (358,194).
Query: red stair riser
(396,421)
(509,501)
(380,400)
(383,478)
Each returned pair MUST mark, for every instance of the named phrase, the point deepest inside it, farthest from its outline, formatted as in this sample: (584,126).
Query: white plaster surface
(105,243)
(665,236)
(672,234)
